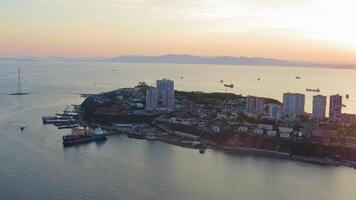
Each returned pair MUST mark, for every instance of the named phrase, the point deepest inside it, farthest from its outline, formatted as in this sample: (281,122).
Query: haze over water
(93,77)
(34,164)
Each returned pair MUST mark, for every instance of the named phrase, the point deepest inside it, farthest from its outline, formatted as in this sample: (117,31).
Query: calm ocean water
(34,165)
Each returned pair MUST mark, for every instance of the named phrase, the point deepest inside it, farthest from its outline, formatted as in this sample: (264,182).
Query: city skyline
(315,30)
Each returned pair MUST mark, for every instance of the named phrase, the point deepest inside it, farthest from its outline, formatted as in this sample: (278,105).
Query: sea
(35,165)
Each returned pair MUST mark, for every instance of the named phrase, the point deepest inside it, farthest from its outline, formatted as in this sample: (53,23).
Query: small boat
(202,150)
(65,122)
(229,85)
(312,90)
(69,126)
(298,77)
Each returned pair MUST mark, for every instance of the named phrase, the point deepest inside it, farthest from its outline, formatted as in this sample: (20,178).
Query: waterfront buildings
(335,107)
(293,105)
(151,98)
(319,107)
(255,104)
(165,88)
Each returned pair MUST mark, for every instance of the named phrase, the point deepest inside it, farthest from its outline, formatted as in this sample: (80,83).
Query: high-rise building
(260,105)
(151,98)
(319,107)
(255,104)
(274,111)
(293,104)
(250,104)
(165,89)
(335,107)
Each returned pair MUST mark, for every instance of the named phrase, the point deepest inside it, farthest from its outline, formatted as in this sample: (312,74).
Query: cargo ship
(82,135)
(312,90)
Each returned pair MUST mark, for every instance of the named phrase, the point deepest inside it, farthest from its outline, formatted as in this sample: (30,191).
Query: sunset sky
(310,30)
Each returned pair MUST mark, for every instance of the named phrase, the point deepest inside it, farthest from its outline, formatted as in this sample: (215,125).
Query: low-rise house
(285,132)
(125,128)
(258,131)
(265,126)
(215,129)
(271,133)
(242,129)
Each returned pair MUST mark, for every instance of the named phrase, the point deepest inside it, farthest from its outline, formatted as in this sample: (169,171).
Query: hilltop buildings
(274,111)
(293,105)
(162,96)
(255,104)
(151,99)
(319,107)
(165,89)
(335,107)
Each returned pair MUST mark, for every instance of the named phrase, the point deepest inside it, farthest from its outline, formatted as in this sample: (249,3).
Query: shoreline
(282,155)
(176,141)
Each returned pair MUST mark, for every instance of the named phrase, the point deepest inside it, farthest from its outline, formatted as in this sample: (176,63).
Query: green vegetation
(90,104)
(207,98)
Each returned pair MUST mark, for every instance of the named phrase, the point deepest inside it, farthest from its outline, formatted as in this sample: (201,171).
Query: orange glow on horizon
(291,30)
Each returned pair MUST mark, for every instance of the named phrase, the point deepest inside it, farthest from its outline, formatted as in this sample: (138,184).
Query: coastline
(282,155)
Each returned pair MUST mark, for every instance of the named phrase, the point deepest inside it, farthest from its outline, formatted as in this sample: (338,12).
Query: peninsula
(224,121)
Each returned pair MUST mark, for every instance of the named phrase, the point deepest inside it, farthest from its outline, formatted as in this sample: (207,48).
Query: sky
(309,30)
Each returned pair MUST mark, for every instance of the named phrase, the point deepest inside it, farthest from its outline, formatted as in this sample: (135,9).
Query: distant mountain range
(186,59)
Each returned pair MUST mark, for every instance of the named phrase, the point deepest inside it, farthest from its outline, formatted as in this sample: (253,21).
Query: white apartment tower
(319,107)
(165,88)
(151,99)
(255,104)
(260,105)
(335,107)
(293,104)
(250,104)
(274,111)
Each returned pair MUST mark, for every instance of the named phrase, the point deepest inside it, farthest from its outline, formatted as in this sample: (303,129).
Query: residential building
(255,104)
(348,118)
(165,89)
(274,111)
(215,129)
(271,133)
(260,105)
(293,105)
(319,107)
(285,132)
(242,129)
(258,131)
(265,126)
(151,99)
(250,104)
(335,107)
